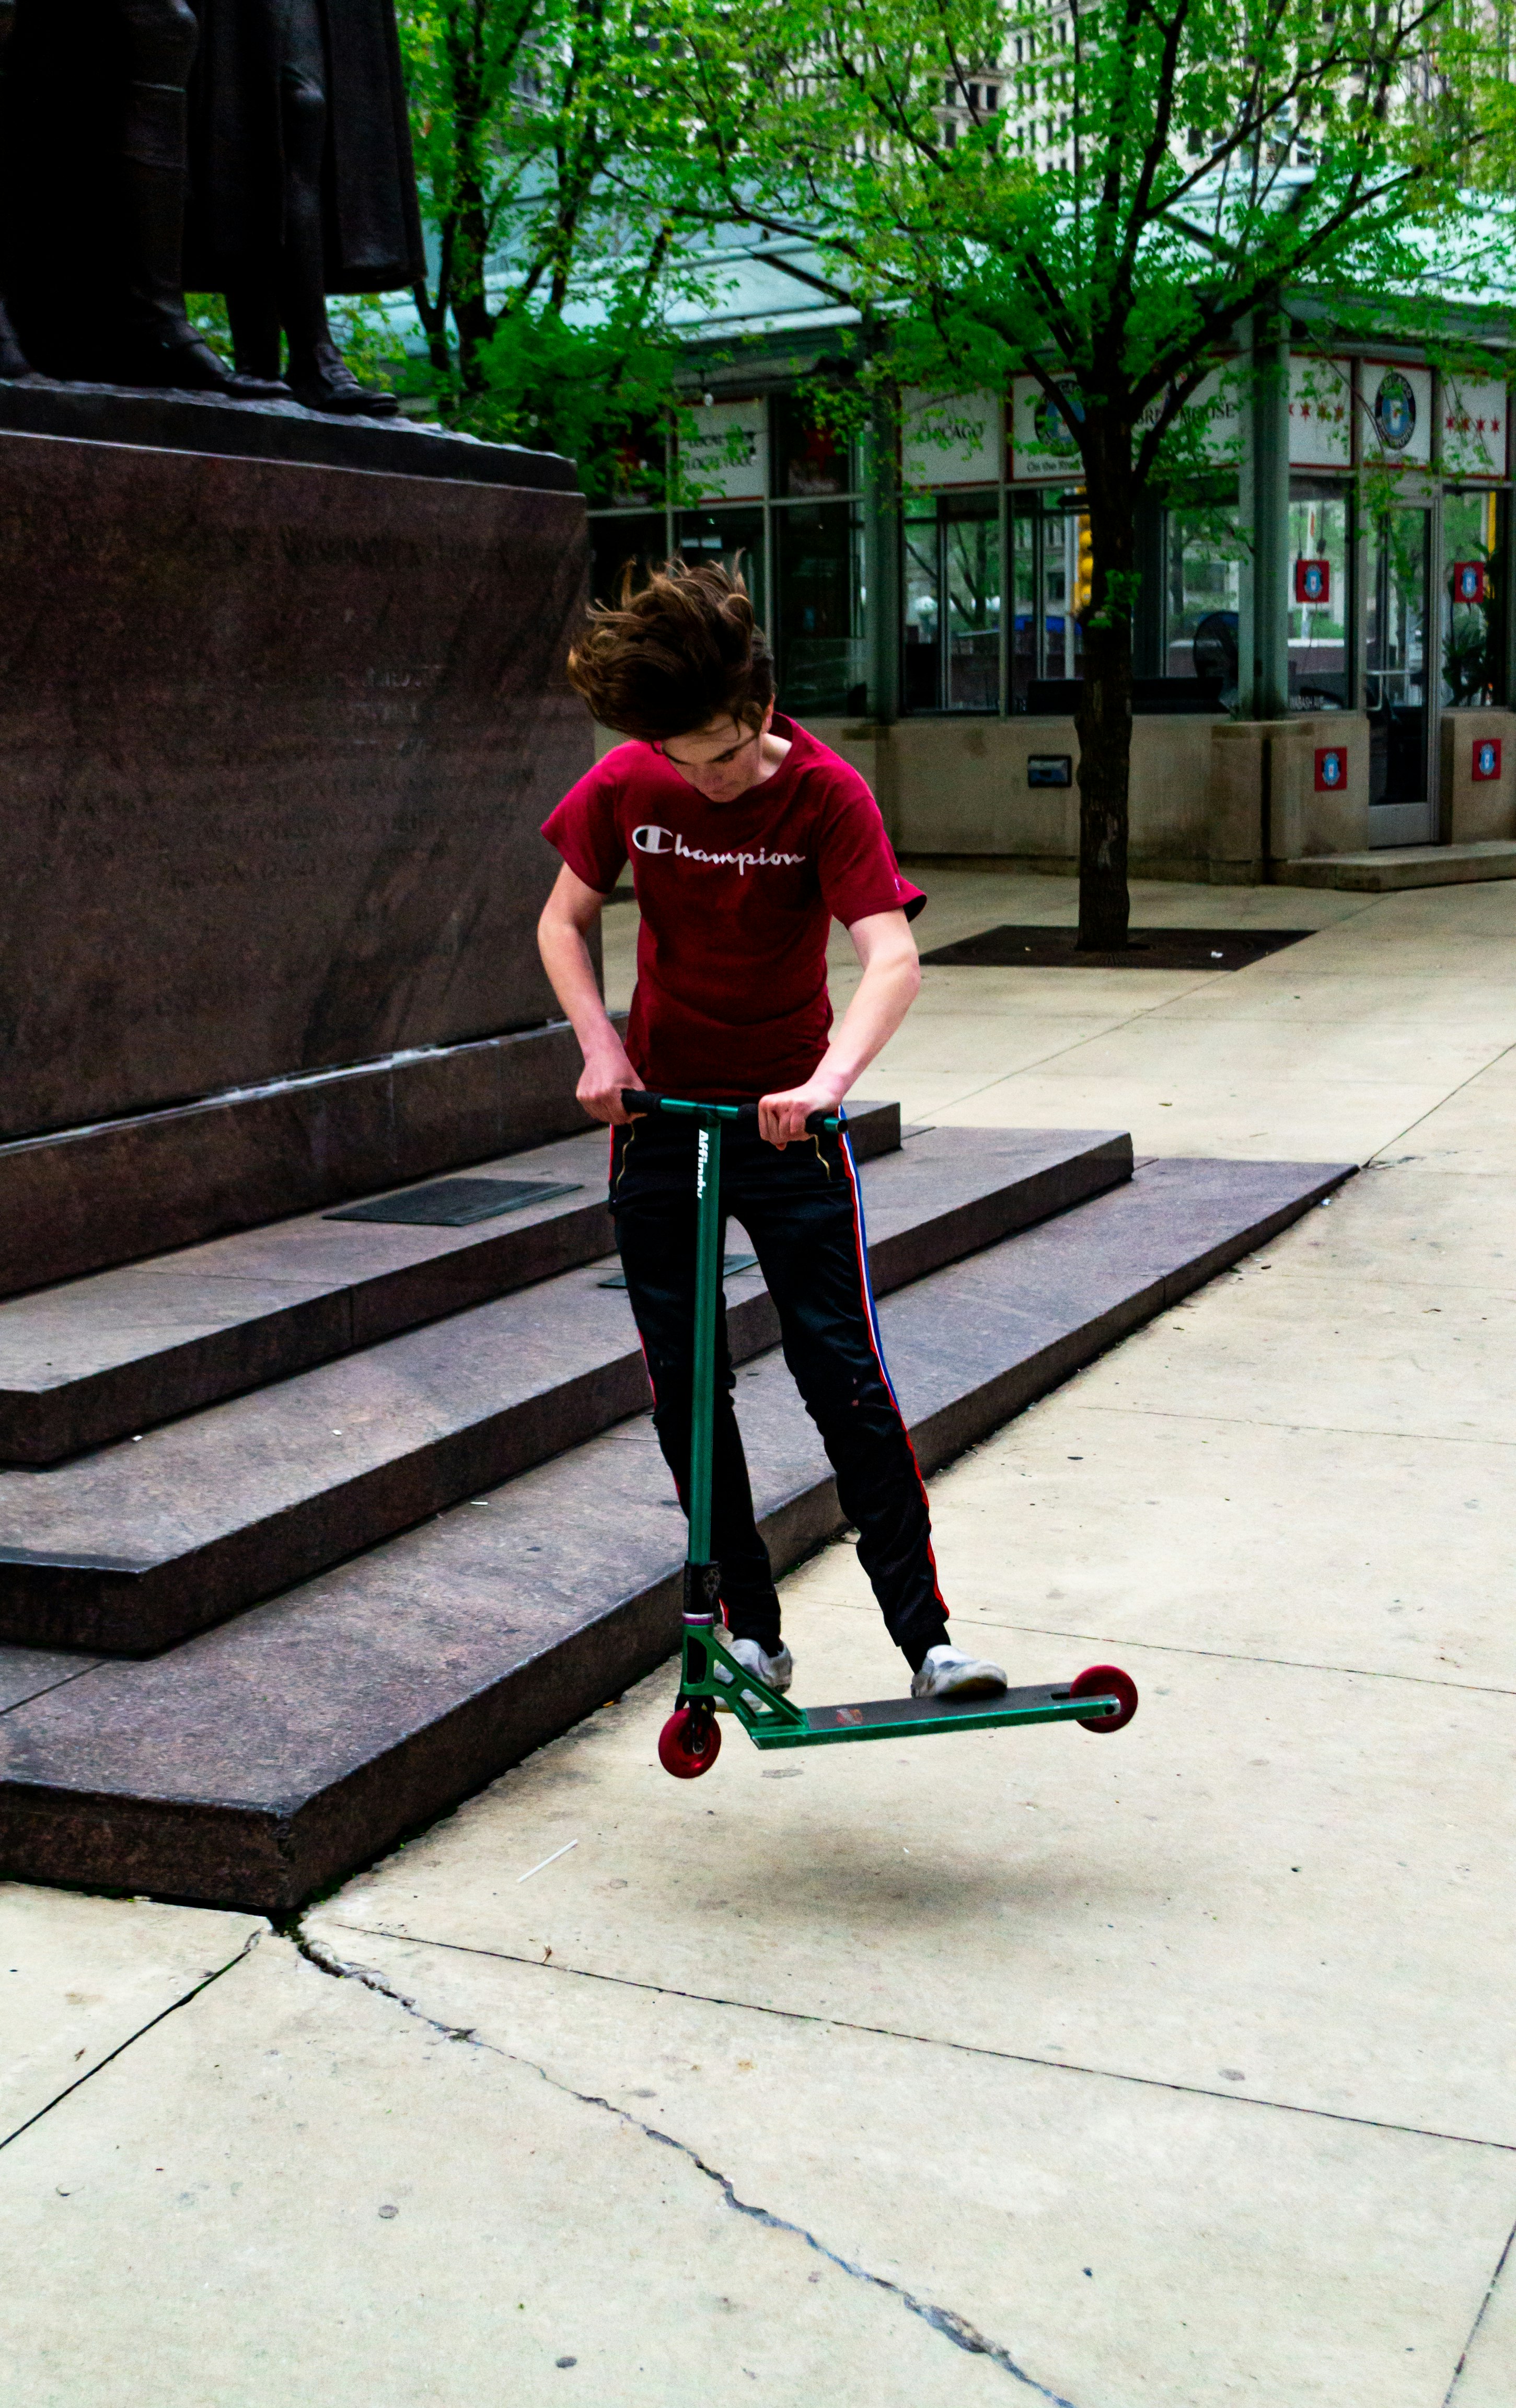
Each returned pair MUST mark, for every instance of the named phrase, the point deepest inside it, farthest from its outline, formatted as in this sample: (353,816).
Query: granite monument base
(278,737)
(86,1198)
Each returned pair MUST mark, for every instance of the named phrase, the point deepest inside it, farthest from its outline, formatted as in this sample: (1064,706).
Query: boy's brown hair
(682,651)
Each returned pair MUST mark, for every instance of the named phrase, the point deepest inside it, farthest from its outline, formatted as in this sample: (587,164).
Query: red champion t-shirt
(737,901)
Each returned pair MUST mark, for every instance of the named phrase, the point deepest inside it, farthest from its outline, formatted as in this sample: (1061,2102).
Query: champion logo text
(653,838)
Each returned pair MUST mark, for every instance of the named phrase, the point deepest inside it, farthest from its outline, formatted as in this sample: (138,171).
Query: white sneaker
(775,1671)
(948,1673)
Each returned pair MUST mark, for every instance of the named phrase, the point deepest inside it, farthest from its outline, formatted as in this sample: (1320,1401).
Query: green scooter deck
(916,1717)
(716,1680)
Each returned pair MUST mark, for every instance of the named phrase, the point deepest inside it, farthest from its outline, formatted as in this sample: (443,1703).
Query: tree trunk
(468,216)
(1104,718)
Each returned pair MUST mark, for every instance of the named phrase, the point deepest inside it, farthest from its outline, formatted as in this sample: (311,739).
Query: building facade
(1323,646)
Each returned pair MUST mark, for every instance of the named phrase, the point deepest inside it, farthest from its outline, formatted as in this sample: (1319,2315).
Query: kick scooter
(1101,1699)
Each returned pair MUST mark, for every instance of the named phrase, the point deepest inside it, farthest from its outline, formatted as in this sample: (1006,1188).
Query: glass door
(952,579)
(1400,805)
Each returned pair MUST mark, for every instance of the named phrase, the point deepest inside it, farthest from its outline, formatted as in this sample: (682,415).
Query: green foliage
(552,265)
(1153,174)
(586,391)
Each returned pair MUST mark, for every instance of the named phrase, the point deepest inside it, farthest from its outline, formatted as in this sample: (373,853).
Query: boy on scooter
(747,838)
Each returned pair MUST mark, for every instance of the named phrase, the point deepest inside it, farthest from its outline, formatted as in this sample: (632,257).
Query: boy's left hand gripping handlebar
(635,1100)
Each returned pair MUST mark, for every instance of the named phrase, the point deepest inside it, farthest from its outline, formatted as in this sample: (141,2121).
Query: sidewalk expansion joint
(946,2321)
(1503,1054)
(132,2037)
(916,2040)
(1476,1437)
(1484,2308)
(1208,1654)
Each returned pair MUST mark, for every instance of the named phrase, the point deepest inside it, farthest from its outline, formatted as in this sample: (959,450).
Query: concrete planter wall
(1475,809)
(964,786)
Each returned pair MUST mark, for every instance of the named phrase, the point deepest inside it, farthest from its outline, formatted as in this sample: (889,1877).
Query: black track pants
(800,1209)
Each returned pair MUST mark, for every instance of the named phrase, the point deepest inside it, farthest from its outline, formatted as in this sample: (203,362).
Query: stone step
(132,1548)
(1390,869)
(107,1356)
(76,1200)
(262,1761)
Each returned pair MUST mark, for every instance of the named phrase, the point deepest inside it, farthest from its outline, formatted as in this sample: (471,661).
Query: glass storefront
(1321,674)
(734,538)
(621,541)
(1202,596)
(952,652)
(1473,599)
(1395,657)
(1050,537)
(817,620)
(1398,612)
(1064,583)
(811,463)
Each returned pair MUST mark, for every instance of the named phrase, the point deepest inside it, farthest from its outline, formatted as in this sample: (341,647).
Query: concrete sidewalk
(1172,2068)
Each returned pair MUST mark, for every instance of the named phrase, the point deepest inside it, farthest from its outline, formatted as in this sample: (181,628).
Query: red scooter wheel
(689,1743)
(1104,1681)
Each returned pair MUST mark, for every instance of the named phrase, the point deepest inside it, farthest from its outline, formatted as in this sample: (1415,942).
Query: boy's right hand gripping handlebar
(635,1100)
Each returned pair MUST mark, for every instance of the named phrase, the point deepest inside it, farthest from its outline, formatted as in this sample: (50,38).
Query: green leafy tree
(1107,197)
(552,265)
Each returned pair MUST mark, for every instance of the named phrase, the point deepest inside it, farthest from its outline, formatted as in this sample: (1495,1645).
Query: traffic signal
(1085,572)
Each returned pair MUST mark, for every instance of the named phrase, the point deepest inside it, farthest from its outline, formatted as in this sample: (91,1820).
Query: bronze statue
(255,147)
(13,359)
(94,115)
(301,180)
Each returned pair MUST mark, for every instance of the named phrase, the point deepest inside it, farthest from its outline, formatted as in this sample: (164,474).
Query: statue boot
(322,380)
(162,346)
(290,293)
(318,376)
(14,364)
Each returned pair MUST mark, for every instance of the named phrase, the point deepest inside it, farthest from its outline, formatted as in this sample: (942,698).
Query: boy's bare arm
(569,913)
(884,994)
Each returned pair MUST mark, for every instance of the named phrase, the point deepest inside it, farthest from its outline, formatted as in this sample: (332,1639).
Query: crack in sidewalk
(946,2321)
(565,1973)
(132,2037)
(1485,2305)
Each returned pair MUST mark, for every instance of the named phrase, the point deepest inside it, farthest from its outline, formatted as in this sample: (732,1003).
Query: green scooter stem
(702,1582)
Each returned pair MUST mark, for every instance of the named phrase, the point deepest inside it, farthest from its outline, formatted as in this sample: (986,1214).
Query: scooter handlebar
(633,1099)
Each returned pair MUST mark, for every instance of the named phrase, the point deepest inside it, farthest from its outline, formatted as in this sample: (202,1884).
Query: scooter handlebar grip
(634,1101)
(816,1125)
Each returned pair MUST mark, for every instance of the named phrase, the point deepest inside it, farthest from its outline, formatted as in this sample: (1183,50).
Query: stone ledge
(272,430)
(83,1199)
(1398,867)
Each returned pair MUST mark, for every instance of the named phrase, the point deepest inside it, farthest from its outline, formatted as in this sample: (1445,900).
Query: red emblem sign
(1331,768)
(1486,758)
(1313,581)
(1468,580)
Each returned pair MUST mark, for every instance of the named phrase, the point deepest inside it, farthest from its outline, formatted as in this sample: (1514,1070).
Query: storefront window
(1066,592)
(952,603)
(733,538)
(1204,593)
(818,576)
(811,462)
(1050,567)
(635,543)
(1024,624)
(1317,597)
(1473,599)
(1394,628)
